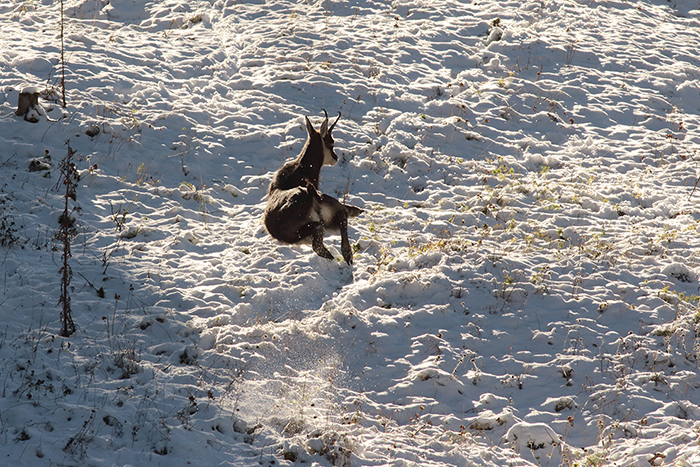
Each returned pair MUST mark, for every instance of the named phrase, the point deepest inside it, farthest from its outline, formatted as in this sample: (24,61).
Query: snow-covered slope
(525,286)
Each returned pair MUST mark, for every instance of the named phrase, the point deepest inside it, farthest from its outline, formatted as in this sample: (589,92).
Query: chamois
(296,212)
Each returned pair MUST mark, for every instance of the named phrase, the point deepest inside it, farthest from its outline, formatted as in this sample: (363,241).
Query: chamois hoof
(347,254)
(324,253)
(348,259)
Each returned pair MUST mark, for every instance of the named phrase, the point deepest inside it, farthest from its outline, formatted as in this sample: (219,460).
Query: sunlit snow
(525,281)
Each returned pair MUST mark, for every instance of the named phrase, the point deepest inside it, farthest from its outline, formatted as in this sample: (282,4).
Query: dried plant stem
(69,176)
(63,62)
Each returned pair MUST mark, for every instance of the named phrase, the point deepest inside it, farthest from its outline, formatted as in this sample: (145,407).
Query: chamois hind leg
(353,211)
(342,223)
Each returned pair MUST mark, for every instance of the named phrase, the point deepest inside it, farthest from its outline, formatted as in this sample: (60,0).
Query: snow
(525,282)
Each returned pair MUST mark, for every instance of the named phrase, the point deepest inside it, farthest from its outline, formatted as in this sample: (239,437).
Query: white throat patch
(328,158)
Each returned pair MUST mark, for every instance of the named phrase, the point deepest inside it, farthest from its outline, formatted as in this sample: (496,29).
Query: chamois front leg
(334,215)
(317,242)
(345,248)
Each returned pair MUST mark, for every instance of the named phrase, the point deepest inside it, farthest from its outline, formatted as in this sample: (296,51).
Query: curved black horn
(325,113)
(336,121)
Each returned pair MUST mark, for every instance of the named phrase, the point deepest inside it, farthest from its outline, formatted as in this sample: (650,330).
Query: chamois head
(324,132)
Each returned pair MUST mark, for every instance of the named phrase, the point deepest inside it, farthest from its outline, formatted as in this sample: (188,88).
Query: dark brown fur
(296,212)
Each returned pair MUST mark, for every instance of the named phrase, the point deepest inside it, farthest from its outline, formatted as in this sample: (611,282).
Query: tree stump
(28,104)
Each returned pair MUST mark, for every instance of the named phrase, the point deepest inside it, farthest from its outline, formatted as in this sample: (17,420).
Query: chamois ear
(309,127)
